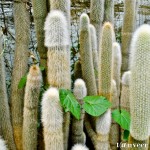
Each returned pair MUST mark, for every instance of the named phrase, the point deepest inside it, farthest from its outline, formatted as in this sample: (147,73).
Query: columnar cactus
(78,136)
(124,101)
(22,39)
(109,11)
(114,131)
(39,13)
(127,30)
(77,70)
(58,71)
(5,123)
(116,62)
(31,99)
(52,119)
(62,5)
(94,52)
(139,84)
(97,16)
(105,63)
(79,147)
(86,55)
(2,144)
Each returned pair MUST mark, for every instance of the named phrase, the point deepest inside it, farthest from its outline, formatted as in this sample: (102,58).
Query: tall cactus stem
(30,115)
(139,84)
(86,55)
(127,31)
(5,120)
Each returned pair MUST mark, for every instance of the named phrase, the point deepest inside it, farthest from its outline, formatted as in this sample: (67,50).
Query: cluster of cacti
(78,135)
(30,114)
(139,85)
(99,65)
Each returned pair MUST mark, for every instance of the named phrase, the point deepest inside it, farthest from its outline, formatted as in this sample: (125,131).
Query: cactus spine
(116,62)
(2,144)
(78,136)
(114,131)
(57,41)
(52,119)
(31,99)
(139,85)
(94,52)
(105,59)
(79,147)
(97,16)
(22,38)
(127,30)
(109,11)
(40,12)
(86,55)
(5,123)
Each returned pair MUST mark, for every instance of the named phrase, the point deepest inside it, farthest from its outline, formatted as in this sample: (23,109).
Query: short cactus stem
(3,144)
(78,135)
(79,147)
(52,119)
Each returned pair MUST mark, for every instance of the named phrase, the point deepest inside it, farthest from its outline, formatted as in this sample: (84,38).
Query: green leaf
(96,105)
(126,135)
(122,117)
(22,82)
(42,68)
(69,102)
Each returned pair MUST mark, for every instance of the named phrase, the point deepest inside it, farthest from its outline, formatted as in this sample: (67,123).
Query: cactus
(86,55)
(114,130)
(5,121)
(116,62)
(22,38)
(124,101)
(79,147)
(109,11)
(97,16)
(127,30)
(64,6)
(77,70)
(2,144)
(105,59)
(39,13)
(31,99)
(78,136)
(139,85)
(52,119)
(57,41)
(94,52)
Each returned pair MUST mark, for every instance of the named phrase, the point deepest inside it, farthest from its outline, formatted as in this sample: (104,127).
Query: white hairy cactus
(116,62)
(52,119)
(2,144)
(78,135)
(79,147)
(139,83)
